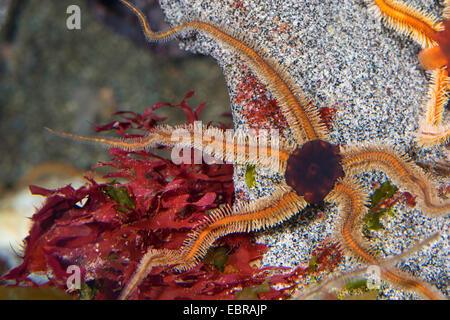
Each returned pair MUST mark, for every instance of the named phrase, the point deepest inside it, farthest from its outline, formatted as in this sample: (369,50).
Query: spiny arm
(401,170)
(407,20)
(302,117)
(438,97)
(245,217)
(230,146)
(352,200)
(431,130)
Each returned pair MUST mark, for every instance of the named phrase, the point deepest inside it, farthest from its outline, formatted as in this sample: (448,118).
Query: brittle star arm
(401,170)
(431,129)
(245,217)
(302,117)
(432,35)
(227,145)
(407,20)
(352,198)
(335,284)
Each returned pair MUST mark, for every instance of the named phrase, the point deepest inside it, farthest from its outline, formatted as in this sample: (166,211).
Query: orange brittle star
(314,170)
(434,37)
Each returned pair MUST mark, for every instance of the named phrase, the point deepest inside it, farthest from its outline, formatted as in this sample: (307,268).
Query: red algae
(260,111)
(263,112)
(326,257)
(327,115)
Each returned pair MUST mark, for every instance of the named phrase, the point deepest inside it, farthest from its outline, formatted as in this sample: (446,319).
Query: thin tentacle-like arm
(245,217)
(226,145)
(338,283)
(303,119)
(352,201)
(401,170)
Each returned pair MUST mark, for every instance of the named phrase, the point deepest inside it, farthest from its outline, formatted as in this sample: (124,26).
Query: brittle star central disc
(313,170)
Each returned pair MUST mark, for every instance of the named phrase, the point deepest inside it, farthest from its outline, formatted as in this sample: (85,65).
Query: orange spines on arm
(352,201)
(438,97)
(407,20)
(401,170)
(431,34)
(246,217)
(303,119)
(210,140)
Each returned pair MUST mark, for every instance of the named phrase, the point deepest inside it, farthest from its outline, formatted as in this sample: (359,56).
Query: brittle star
(434,37)
(314,170)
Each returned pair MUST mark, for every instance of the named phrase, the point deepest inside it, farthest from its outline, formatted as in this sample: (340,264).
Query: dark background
(66,79)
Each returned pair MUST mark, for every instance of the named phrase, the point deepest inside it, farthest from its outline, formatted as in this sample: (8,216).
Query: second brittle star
(433,35)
